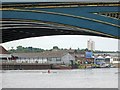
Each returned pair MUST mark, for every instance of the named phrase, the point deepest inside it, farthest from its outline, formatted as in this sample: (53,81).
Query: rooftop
(3,50)
(44,54)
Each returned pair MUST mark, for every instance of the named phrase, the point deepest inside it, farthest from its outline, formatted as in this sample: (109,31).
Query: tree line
(21,49)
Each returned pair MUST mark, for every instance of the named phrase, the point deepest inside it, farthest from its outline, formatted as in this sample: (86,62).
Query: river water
(78,78)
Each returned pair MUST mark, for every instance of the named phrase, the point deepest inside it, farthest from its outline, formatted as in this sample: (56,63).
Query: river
(77,78)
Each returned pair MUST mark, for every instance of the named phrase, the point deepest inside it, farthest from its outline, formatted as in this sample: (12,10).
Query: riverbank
(38,66)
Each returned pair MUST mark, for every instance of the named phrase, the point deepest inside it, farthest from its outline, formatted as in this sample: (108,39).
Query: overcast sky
(65,41)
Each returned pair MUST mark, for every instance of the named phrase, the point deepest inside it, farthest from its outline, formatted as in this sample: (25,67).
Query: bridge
(32,19)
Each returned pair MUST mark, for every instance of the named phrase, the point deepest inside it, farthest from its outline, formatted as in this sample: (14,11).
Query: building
(89,58)
(51,57)
(116,60)
(82,57)
(91,45)
(5,56)
(99,60)
(103,59)
(108,58)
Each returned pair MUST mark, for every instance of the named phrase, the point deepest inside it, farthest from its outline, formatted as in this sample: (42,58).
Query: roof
(45,54)
(99,57)
(107,57)
(3,50)
(102,56)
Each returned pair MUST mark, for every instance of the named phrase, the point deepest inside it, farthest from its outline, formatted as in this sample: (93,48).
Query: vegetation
(81,67)
(21,49)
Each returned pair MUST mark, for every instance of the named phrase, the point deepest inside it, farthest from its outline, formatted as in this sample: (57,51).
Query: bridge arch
(23,20)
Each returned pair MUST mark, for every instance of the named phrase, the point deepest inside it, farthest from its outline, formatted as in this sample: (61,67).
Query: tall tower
(91,45)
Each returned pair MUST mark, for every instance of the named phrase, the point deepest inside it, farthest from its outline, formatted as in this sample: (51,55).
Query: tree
(20,49)
(30,48)
(55,47)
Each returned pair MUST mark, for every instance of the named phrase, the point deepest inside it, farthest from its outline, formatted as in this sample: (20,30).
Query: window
(58,59)
(4,58)
(107,59)
(82,55)
(54,59)
(49,59)
(119,59)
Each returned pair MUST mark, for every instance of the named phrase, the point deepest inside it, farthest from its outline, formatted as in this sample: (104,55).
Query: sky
(65,41)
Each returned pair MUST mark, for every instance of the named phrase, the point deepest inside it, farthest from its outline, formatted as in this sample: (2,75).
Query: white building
(51,57)
(103,59)
(116,60)
(91,45)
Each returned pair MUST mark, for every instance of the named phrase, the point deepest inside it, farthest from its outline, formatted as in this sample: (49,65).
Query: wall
(66,58)
(25,66)
(31,60)
(52,60)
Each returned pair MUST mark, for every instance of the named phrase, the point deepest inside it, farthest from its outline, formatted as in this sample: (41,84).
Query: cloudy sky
(65,41)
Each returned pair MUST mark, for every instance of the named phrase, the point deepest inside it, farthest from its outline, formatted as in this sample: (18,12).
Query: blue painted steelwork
(86,12)
(81,17)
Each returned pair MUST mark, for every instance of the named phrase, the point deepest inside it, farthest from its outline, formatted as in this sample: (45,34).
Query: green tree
(55,47)
(20,49)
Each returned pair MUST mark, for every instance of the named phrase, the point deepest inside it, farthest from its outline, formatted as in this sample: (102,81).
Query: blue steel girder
(79,17)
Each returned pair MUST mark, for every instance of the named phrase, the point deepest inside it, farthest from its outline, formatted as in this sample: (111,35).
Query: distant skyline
(90,45)
(65,41)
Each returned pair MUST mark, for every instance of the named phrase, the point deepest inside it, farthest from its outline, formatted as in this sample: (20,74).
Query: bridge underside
(33,20)
(14,30)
